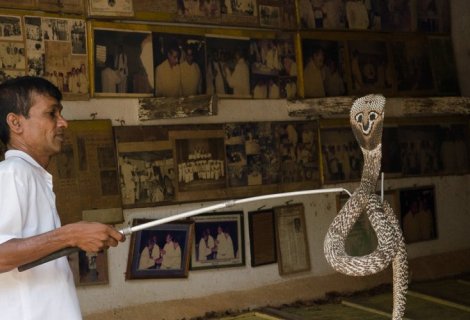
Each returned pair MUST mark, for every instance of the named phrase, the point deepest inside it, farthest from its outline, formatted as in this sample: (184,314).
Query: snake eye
(359,117)
(372,116)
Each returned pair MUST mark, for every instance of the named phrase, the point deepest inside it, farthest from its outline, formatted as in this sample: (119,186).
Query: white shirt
(28,208)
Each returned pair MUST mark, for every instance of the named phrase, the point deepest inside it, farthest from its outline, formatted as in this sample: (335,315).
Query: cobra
(366,118)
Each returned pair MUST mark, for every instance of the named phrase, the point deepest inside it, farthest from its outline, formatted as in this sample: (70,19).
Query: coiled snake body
(367,114)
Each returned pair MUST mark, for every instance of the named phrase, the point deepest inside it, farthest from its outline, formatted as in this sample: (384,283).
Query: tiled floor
(445,299)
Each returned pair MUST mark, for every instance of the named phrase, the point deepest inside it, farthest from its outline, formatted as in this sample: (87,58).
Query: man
(110,77)
(191,75)
(239,78)
(168,75)
(171,254)
(32,128)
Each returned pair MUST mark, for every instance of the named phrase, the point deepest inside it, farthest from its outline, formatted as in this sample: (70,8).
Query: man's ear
(14,122)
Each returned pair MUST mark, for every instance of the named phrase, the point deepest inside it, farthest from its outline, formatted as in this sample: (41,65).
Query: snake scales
(367,114)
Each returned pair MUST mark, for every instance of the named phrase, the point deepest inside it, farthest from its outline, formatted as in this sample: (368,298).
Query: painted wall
(452,195)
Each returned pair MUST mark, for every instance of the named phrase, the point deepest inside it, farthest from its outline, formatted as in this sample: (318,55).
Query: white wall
(452,195)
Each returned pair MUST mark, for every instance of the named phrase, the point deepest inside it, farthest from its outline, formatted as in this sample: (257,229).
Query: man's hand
(93,236)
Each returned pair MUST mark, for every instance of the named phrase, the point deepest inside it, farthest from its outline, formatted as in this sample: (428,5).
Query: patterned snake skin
(367,114)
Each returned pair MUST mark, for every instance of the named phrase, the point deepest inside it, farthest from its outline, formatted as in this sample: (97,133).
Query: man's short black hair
(16,96)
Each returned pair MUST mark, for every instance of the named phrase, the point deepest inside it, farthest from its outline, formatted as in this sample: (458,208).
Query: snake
(366,119)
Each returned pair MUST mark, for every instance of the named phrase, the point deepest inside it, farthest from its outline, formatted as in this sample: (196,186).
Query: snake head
(367,115)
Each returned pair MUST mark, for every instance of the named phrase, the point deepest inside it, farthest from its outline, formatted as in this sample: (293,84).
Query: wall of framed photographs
(257,54)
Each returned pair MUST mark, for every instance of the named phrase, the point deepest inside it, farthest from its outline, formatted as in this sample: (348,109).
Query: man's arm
(88,236)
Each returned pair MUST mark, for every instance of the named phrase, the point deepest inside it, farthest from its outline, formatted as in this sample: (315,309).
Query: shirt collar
(22,155)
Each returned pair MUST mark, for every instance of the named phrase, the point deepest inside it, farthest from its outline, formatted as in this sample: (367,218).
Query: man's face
(173,58)
(43,131)
(189,56)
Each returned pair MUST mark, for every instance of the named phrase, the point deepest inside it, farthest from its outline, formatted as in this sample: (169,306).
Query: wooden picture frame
(291,239)
(89,268)
(262,232)
(418,214)
(218,241)
(20,4)
(200,163)
(62,6)
(122,61)
(169,260)
(110,8)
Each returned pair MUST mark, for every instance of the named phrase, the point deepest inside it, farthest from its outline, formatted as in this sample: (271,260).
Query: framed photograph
(199,11)
(160,252)
(180,65)
(370,67)
(291,239)
(12,28)
(262,237)
(199,157)
(123,64)
(341,155)
(228,68)
(147,173)
(111,8)
(324,70)
(89,268)
(218,240)
(418,214)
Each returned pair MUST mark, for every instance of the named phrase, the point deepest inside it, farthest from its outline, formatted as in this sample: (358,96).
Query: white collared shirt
(27,203)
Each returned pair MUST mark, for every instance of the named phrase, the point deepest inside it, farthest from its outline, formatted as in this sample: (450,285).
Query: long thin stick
(129,230)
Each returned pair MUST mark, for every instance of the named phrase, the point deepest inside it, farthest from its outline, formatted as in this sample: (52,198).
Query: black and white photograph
(228,67)
(123,63)
(324,68)
(146,177)
(443,65)
(269,16)
(418,214)
(180,67)
(162,251)
(11,28)
(12,55)
(218,240)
